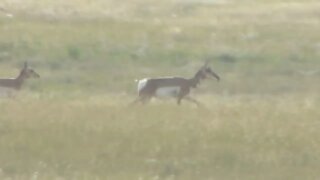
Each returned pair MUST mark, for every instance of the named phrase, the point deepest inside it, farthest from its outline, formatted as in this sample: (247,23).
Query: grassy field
(236,137)
(260,122)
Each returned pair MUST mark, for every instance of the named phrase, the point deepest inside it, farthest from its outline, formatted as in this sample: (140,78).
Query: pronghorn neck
(193,82)
(196,79)
(20,79)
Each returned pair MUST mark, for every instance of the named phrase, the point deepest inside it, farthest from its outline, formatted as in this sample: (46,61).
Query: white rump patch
(168,91)
(142,83)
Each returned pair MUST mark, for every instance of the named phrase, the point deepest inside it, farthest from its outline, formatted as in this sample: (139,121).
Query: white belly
(167,91)
(5,92)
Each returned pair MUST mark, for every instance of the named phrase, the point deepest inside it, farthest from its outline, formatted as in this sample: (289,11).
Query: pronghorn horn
(206,63)
(25,64)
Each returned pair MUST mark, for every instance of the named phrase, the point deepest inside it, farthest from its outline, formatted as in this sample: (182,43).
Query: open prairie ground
(261,121)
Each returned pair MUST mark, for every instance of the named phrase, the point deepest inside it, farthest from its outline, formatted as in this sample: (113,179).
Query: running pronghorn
(16,83)
(176,87)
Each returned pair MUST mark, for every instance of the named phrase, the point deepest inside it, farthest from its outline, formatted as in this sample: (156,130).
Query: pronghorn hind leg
(135,101)
(140,99)
(179,101)
(145,99)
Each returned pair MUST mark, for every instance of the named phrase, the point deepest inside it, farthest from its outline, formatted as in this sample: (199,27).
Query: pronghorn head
(28,72)
(206,72)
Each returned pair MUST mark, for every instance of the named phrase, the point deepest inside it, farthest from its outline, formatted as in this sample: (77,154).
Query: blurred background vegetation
(261,47)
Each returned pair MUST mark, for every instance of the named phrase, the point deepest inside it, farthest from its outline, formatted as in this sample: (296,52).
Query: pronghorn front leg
(11,94)
(190,99)
(183,92)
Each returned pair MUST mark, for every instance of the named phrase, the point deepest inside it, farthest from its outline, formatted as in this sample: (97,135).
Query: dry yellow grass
(99,137)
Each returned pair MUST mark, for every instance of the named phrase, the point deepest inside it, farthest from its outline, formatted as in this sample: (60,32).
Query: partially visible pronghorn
(176,87)
(16,83)
(5,12)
